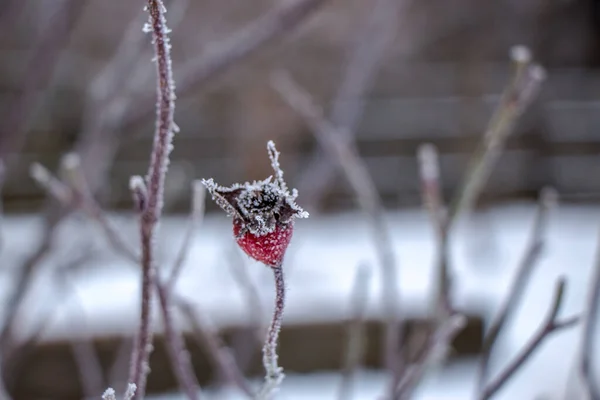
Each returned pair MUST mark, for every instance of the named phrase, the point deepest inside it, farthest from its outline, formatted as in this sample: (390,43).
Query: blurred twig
(550,325)
(590,332)
(525,268)
(180,358)
(40,69)
(220,56)
(209,339)
(341,148)
(364,60)
(356,335)
(198,198)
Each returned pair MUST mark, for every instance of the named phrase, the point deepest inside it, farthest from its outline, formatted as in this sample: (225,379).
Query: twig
(590,332)
(436,348)
(364,60)
(519,94)
(274,25)
(198,198)
(356,335)
(533,250)
(219,352)
(550,325)
(40,69)
(274,373)
(340,148)
(154,185)
(176,347)
(2,179)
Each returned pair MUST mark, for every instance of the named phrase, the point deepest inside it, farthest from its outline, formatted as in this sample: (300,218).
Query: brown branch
(590,332)
(525,268)
(154,184)
(274,25)
(551,324)
(356,336)
(340,148)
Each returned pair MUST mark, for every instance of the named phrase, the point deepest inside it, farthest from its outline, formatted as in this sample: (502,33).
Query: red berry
(269,248)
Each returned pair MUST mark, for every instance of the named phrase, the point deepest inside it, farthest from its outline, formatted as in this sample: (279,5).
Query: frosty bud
(263,213)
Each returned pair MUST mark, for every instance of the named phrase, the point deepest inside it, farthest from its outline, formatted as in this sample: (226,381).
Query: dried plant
(263,223)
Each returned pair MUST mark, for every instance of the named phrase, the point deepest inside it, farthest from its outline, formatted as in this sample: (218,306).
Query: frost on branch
(263,212)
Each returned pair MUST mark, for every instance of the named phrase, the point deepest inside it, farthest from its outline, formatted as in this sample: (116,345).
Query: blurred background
(76,76)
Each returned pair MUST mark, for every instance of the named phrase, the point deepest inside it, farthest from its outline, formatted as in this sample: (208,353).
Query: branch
(533,250)
(340,148)
(274,25)
(154,185)
(590,332)
(550,325)
(436,349)
(356,335)
(180,359)
(518,95)
(219,352)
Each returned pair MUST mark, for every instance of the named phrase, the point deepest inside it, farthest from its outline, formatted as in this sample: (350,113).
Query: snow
(320,266)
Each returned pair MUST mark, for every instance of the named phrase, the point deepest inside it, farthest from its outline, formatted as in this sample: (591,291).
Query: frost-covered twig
(198,196)
(550,325)
(180,358)
(263,214)
(220,56)
(340,148)
(519,94)
(590,332)
(109,394)
(356,336)
(531,255)
(154,184)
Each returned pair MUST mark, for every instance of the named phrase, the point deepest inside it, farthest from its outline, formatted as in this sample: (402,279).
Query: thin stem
(550,325)
(590,332)
(155,179)
(180,360)
(198,197)
(343,150)
(274,373)
(525,268)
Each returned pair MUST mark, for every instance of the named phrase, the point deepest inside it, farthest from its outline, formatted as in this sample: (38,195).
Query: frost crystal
(261,206)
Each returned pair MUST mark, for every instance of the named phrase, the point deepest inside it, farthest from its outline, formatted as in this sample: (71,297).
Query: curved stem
(273,372)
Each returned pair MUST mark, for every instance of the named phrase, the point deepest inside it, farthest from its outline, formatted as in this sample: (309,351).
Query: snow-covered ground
(321,263)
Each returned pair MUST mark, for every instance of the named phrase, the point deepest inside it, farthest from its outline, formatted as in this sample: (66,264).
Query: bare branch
(550,325)
(340,148)
(275,24)
(210,341)
(356,336)
(40,69)
(155,179)
(519,94)
(436,349)
(536,241)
